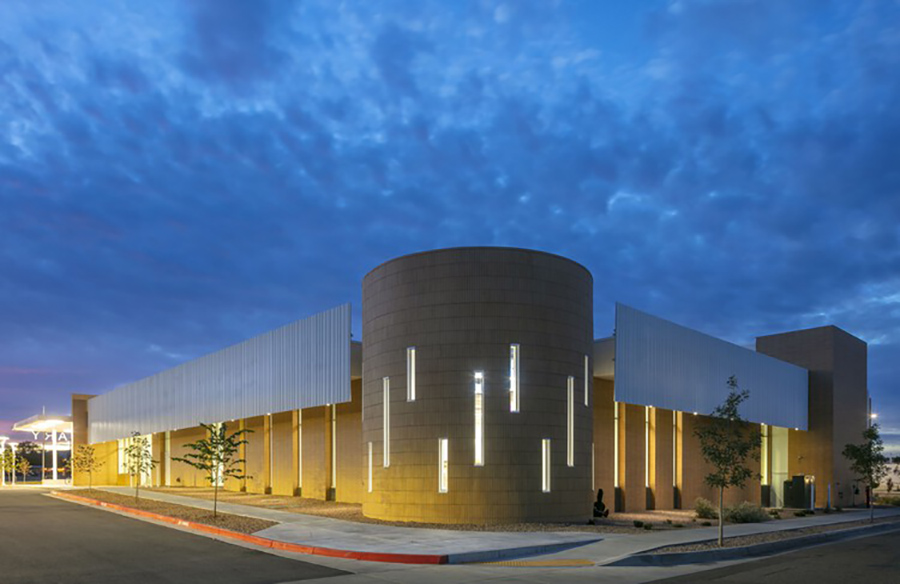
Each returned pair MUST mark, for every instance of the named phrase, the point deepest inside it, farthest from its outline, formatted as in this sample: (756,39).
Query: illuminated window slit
(479,418)
(411,374)
(514,378)
(386,408)
(545,465)
(443,465)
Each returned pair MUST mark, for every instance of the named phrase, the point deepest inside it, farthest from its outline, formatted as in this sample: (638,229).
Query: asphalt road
(870,560)
(45,540)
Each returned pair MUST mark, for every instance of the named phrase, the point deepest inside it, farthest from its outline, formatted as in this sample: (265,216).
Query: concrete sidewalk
(617,546)
(479,546)
(458,546)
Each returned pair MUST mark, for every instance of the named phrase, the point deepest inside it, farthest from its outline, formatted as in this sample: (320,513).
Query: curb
(262,541)
(646,558)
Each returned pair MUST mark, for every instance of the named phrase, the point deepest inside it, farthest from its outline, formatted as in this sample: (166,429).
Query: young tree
(7,461)
(138,459)
(868,461)
(23,467)
(217,456)
(726,444)
(85,460)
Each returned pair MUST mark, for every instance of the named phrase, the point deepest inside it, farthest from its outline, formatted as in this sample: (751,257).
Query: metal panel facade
(302,364)
(659,363)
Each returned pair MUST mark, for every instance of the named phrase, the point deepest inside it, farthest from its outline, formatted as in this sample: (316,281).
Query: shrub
(800,513)
(838,509)
(826,510)
(648,526)
(638,523)
(704,509)
(895,501)
(706,524)
(678,525)
(746,512)
(669,521)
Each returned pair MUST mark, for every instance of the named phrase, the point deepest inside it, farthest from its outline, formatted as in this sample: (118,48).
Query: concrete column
(53,438)
(269,453)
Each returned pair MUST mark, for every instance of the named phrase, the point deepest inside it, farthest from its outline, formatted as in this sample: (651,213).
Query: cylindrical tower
(484,355)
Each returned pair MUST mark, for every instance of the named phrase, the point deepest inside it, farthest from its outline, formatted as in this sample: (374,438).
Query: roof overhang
(44,423)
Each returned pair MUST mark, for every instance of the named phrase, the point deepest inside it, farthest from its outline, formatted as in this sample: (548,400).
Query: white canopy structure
(58,428)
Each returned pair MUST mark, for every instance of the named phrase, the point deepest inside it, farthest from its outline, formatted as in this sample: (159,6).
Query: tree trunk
(721,516)
(872,506)
(216,499)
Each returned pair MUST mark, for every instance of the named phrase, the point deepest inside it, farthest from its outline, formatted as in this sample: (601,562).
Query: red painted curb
(265,542)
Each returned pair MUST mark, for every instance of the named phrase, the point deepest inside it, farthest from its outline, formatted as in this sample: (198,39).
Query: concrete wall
(315,460)
(838,404)
(694,469)
(284,443)
(461,309)
(184,475)
(351,458)
(662,443)
(604,440)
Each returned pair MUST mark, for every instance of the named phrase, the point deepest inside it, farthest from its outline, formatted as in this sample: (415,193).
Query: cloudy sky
(176,176)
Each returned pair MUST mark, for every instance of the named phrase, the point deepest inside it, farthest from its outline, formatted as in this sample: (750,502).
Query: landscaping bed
(616,523)
(747,540)
(236,523)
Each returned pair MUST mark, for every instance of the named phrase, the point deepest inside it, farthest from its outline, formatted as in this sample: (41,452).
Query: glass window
(587,379)
(514,378)
(386,409)
(545,465)
(411,374)
(444,465)
(479,418)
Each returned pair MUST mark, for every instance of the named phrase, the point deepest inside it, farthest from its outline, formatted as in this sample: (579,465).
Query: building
(479,394)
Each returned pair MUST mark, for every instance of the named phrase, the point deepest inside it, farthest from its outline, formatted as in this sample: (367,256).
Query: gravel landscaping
(225,521)
(616,523)
(746,540)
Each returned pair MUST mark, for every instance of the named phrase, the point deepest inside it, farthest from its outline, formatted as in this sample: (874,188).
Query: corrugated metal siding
(303,364)
(662,364)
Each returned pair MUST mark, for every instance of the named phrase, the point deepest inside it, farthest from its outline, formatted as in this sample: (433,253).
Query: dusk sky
(177,176)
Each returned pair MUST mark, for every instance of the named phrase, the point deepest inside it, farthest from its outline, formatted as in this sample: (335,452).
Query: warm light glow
(444,465)
(587,379)
(873,415)
(647,446)
(514,377)
(479,418)
(411,374)
(545,465)
(616,445)
(370,467)
(386,409)
(570,422)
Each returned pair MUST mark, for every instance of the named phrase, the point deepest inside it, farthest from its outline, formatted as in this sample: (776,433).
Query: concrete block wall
(461,309)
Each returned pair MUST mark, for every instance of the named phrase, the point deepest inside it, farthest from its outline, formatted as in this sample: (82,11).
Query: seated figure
(600,509)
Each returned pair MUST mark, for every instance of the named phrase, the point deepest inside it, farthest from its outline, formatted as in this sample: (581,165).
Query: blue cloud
(195,174)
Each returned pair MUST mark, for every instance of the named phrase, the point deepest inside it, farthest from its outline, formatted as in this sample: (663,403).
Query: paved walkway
(460,546)
(616,546)
(470,546)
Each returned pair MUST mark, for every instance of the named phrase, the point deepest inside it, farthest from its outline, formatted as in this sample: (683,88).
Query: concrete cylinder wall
(461,309)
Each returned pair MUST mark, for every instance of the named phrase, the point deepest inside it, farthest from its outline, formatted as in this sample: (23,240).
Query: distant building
(479,395)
